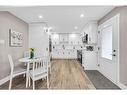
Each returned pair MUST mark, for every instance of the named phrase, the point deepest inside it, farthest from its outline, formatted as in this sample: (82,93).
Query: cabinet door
(75,39)
(55,39)
(90,60)
(91,30)
(93,33)
(63,37)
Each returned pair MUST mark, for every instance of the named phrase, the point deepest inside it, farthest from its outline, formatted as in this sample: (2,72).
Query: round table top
(27,59)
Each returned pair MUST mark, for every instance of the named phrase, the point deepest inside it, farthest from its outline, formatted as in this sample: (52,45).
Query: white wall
(38,39)
(9,21)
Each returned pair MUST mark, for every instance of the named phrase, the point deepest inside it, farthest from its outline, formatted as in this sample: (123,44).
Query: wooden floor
(66,74)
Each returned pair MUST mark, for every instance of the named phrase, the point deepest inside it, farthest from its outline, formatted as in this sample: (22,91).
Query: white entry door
(108,39)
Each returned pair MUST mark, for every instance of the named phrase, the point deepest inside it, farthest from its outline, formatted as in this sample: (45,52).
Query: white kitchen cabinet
(63,38)
(65,46)
(75,39)
(89,60)
(55,39)
(64,54)
(91,30)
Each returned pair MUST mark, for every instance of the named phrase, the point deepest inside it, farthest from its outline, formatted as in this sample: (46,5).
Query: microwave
(85,38)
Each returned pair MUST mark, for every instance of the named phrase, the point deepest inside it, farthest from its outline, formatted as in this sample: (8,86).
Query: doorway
(108,54)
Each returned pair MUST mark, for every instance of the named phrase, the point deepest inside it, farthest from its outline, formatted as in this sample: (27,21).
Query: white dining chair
(49,63)
(15,71)
(39,71)
(26,54)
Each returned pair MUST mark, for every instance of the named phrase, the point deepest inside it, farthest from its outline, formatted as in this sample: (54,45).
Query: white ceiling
(62,19)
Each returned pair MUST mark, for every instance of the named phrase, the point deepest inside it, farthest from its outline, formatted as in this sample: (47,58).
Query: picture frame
(15,38)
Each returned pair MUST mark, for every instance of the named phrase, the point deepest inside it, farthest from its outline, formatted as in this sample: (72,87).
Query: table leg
(27,75)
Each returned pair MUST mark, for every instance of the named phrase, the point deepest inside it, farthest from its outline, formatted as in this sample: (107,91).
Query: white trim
(108,77)
(118,65)
(119,84)
(122,86)
(2,81)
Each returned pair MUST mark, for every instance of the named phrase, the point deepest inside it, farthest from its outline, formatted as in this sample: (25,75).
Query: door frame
(117,16)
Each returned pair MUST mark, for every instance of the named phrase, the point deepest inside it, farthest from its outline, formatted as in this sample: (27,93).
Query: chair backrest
(40,66)
(11,62)
(26,54)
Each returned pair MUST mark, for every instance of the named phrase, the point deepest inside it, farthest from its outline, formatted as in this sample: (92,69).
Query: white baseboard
(2,81)
(122,86)
(107,77)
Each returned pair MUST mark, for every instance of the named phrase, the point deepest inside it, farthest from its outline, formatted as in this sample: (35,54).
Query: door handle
(113,54)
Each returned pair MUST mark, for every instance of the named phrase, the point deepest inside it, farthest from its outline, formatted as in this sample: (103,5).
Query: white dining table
(29,61)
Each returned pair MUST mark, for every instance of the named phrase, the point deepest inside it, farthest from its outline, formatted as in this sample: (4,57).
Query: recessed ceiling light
(50,28)
(76,27)
(82,15)
(40,16)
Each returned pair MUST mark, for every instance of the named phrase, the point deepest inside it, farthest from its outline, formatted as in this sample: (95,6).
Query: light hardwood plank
(66,74)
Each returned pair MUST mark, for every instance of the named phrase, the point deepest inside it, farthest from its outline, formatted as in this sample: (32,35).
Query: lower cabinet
(64,54)
(89,60)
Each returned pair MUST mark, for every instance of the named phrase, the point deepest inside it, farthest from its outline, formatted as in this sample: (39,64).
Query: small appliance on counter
(89,48)
(85,38)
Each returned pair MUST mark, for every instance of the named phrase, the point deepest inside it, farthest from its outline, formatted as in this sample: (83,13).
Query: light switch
(2,41)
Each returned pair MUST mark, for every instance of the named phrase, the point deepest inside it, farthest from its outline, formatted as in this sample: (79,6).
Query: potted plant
(32,53)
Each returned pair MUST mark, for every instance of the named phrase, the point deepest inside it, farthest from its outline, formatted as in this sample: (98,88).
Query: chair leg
(50,69)
(24,75)
(10,83)
(47,82)
(29,82)
(33,85)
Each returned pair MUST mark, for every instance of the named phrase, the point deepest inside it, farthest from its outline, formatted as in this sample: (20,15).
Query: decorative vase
(31,53)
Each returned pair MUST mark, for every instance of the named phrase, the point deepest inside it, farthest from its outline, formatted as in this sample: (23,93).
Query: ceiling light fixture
(82,15)
(40,16)
(76,27)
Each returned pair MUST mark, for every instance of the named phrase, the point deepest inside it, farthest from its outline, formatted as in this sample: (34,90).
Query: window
(106,43)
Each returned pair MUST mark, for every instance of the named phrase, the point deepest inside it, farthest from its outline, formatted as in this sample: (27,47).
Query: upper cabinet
(63,38)
(91,30)
(75,39)
(55,39)
(67,39)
